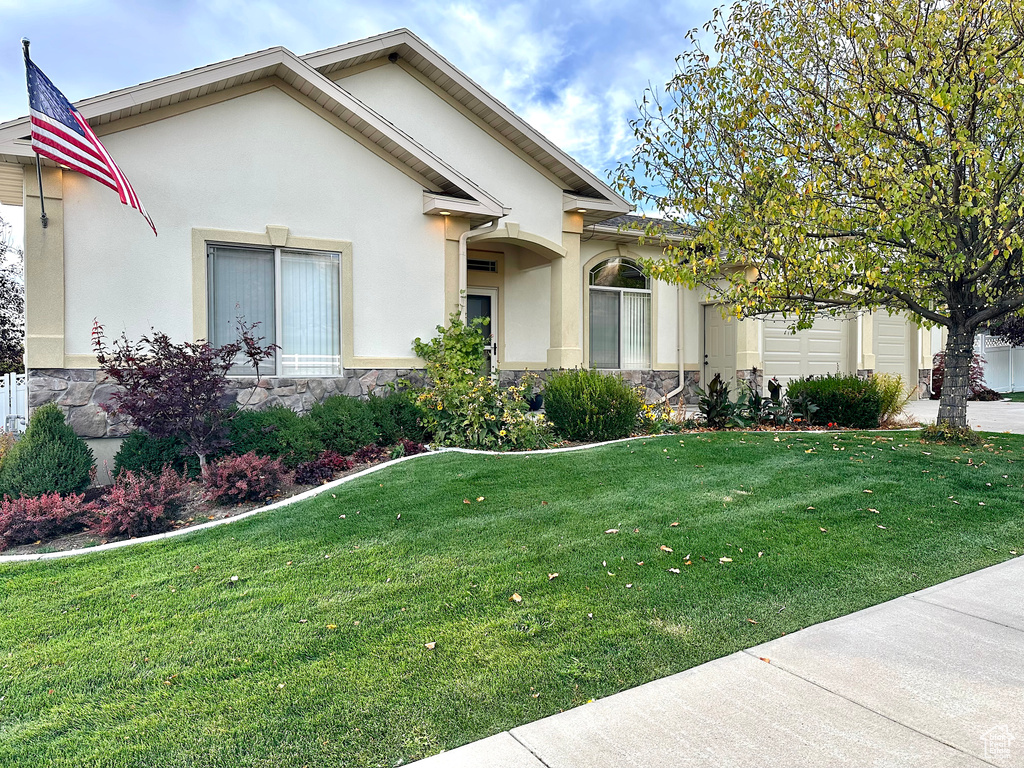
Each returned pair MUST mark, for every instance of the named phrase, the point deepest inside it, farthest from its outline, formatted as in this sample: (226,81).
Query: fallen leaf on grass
(823,530)
(752,621)
(725,559)
(612,530)
(673,525)
(810,507)
(332,626)
(673,570)
(872,509)
(479,498)
(628,586)
(663,548)
(882,527)
(429,646)
(867,491)
(552,576)
(516,598)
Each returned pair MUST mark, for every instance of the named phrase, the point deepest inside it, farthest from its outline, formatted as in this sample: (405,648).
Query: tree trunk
(956,382)
(203,468)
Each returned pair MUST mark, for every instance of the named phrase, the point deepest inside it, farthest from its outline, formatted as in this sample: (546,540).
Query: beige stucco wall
(535,200)
(259,159)
(527,311)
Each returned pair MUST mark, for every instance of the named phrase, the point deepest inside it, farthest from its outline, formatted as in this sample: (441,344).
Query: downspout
(679,346)
(463,248)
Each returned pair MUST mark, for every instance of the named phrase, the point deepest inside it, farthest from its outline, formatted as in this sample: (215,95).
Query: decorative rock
(316,389)
(369,380)
(88,421)
(77,393)
(293,401)
(285,391)
(252,397)
(352,388)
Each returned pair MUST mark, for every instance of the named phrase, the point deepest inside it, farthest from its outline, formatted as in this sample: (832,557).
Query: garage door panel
(818,351)
(892,344)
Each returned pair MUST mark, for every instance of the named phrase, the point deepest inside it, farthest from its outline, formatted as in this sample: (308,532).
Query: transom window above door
(620,316)
(293,295)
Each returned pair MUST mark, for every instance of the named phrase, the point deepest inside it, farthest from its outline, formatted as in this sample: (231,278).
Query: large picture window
(293,295)
(620,316)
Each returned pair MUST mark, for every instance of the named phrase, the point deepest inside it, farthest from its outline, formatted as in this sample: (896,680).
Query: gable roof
(575,178)
(309,74)
(389,140)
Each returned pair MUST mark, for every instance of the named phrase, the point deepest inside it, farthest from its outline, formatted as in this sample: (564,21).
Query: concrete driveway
(997,416)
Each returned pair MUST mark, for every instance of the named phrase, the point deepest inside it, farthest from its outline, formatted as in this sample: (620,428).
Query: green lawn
(148,656)
(1017,397)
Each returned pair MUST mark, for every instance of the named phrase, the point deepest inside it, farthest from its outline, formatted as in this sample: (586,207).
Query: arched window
(620,316)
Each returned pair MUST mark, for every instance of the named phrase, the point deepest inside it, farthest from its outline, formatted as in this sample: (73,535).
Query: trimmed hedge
(49,458)
(141,452)
(344,423)
(277,433)
(588,405)
(396,417)
(843,400)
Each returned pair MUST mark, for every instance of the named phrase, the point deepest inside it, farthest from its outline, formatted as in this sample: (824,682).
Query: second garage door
(819,350)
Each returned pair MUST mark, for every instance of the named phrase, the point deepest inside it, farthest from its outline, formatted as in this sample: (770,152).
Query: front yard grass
(152,656)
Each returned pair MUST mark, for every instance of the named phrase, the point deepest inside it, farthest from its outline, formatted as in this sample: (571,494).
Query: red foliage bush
(370,454)
(322,469)
(407,447)
(25,520)
(977,388)
(139,503)
(248,477)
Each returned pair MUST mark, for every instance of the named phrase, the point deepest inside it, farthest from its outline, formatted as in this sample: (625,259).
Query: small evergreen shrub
(842,400)
(589,405)
(277,433)
(396,416)
(344,423)
(26,520)
(139,503)
(944,433)
(49,458)
(141,452)
(237,479)
(322,469)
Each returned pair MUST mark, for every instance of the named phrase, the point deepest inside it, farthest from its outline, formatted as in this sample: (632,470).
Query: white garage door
(819,350)
(892,345)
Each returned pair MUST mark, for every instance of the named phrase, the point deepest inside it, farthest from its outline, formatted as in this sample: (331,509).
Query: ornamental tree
(836,156)
(170,389)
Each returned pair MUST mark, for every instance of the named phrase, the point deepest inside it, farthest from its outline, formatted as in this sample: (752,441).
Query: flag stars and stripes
(60,133)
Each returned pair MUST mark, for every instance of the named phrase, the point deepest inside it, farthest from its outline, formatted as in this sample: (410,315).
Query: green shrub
(344,423)
(845,401)
(49,458)
(277,433)
(944,433)
(465,409)
(894,395)
(397,417)
(141,452)
(589,405)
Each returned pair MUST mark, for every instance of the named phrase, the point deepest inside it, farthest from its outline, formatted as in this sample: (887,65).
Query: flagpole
(25,42)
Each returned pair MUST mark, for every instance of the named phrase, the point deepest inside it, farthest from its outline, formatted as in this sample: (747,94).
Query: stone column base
(924,383)
(691,381)
(865,373)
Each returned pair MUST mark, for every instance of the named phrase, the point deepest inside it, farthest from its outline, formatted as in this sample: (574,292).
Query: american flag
(60,133)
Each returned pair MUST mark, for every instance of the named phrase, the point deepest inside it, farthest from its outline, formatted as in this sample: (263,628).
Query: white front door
(483,302)
(719,345)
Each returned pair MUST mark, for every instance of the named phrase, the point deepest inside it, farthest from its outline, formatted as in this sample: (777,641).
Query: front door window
(482,305)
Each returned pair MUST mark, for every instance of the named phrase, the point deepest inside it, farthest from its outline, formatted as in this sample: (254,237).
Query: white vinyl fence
(1004,365)
(13,402)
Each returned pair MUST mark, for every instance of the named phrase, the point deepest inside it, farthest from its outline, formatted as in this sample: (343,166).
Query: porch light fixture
(445,213)
(581,210)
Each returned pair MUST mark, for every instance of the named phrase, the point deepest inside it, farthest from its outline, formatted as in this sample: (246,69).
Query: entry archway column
(566,298)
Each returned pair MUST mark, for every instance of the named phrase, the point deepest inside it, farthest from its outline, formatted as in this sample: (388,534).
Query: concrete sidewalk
(995,416)
(935,678)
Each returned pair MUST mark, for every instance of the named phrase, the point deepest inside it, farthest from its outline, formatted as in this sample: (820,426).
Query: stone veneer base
(80,392)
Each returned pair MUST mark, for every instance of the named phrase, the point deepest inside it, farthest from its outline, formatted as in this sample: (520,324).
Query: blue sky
(572,70)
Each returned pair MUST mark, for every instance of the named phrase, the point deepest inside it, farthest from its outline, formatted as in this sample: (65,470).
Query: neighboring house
(345,200)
